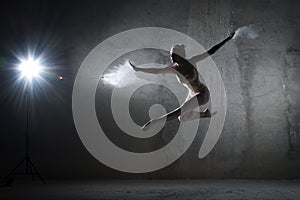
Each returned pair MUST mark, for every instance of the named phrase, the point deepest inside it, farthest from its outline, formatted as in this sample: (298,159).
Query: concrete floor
(153,189)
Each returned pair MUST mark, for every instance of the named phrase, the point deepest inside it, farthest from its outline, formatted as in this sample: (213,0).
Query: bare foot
(146,126)
(208,114)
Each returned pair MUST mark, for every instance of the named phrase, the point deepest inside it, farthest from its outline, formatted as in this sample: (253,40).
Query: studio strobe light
(29,69)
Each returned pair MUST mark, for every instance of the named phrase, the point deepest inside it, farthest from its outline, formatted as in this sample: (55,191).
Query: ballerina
(187,74)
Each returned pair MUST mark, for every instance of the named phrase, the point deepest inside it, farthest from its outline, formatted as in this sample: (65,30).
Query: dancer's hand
(230,33)
(133,66)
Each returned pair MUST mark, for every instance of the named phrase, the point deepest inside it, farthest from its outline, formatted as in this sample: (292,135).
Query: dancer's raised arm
(212,50)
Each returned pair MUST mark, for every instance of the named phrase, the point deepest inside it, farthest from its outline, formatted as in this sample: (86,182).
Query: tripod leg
(26,165)
(13,170)
(31,171)
(36,171)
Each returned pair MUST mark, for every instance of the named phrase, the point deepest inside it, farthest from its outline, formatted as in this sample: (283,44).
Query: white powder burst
(119,76)
(248,32)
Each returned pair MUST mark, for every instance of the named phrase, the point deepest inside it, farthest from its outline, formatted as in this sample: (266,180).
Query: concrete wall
(260,138)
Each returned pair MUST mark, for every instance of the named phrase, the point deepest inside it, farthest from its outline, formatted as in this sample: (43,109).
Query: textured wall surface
(261,136)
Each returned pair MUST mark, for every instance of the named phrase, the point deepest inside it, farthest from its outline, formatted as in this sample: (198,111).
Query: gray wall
(260,138)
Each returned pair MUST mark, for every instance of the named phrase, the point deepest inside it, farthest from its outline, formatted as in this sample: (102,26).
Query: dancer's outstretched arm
(212,50)
(166,70)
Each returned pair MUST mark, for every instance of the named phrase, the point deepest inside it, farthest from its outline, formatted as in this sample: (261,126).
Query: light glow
(30,68)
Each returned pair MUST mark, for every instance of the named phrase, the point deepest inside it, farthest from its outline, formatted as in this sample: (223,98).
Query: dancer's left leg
(186,107)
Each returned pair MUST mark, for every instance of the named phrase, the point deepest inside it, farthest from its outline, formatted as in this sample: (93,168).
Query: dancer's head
(177,52)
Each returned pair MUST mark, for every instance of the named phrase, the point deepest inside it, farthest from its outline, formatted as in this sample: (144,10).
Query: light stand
(30,168)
